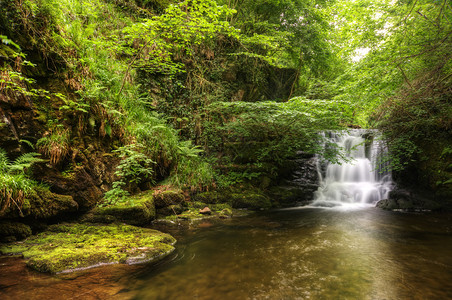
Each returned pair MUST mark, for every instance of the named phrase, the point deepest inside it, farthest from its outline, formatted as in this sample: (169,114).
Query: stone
(248,197)
(170,210)
(169,197)
(205,211)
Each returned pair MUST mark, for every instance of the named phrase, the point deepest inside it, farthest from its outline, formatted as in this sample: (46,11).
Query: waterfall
(362,178)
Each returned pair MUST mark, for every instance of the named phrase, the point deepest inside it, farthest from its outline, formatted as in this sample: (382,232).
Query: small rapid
(361,178)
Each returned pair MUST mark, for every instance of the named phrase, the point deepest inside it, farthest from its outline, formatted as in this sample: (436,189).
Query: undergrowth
(15,181)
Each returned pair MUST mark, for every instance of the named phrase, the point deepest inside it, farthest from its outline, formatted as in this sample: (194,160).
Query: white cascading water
(361,179)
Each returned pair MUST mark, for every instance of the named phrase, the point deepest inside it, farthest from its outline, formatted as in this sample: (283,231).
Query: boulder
(169,197)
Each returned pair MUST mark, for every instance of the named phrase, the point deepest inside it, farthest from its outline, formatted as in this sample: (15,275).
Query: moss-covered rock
(68,247)
(170,210)
(168,197)
(250,200)
(193,211)
(42,204)
(247,198)
(135,210)
(12,231)
(286,196)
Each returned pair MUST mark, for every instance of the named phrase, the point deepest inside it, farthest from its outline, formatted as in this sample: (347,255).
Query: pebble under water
(299,253)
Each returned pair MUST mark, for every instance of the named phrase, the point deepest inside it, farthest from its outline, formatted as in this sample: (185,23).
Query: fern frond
(23,162)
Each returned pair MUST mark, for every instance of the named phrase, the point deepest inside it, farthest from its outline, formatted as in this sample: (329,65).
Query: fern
(24,162)
(15,184)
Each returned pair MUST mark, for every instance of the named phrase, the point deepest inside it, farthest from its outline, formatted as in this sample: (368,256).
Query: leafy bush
(134,168)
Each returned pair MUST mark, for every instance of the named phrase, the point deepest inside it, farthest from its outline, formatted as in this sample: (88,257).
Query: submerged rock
(69,247)
(199,210)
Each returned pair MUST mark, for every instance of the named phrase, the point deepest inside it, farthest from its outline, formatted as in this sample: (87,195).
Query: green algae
(69,247)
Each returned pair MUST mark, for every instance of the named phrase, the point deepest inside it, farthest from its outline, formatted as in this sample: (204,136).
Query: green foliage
(289,33)
(235,178)
(192,173)
(12,79)
(270,132)
(417,116)
(134,168)
(15,183)
(154,43)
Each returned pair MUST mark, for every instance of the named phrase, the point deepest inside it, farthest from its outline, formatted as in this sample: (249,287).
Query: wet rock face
(86,174)
(410,200)
(300,181)
(88,170)
(18,121)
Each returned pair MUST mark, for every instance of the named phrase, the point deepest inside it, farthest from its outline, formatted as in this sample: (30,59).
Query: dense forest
(107,103)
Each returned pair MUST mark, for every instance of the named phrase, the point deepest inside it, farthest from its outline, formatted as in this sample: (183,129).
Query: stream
(339,247)
(297,253)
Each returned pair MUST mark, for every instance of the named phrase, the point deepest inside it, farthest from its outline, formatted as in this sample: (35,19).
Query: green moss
(250,200)
(136,210)
(72,246)
(191,214)
(167,198)
(237,198)
(45,204)
(42,204)
(12,231)
(170,210)
(195,204)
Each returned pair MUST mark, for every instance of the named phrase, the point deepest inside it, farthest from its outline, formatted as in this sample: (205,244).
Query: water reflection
(309,253)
